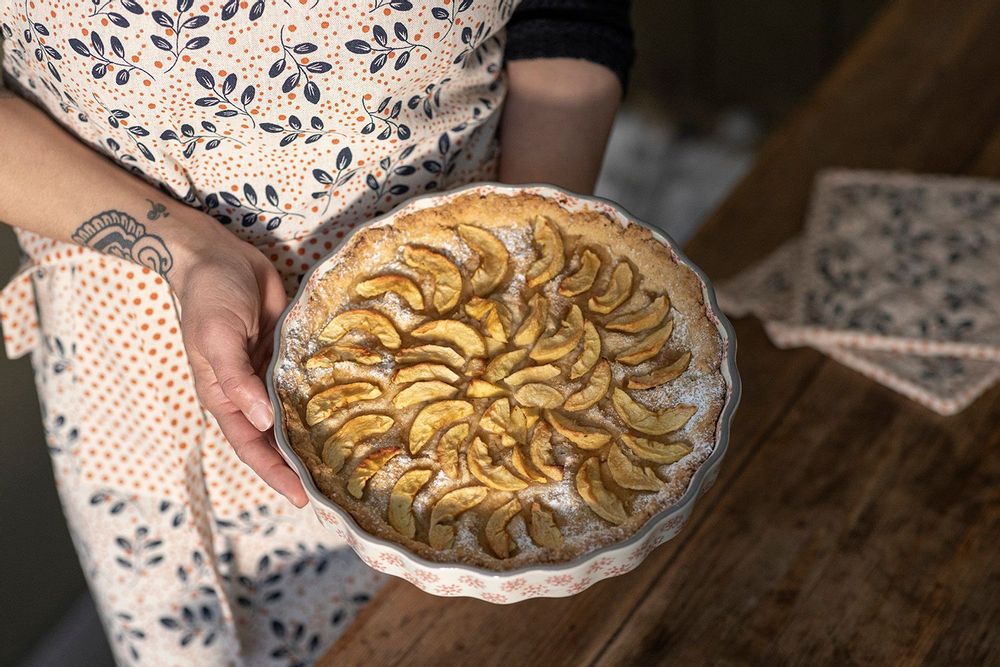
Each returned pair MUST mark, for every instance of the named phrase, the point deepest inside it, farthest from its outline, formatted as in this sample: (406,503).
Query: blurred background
(711,78)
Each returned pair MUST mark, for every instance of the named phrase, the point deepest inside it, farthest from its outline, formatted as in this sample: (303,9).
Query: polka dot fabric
(291,122)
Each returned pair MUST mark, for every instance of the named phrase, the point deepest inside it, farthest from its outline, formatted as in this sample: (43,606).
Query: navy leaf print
(232,7)
(115,116)
(387,120)
(209,134)
(331,181)
(344,159)
(118,59)
(473,42)
(207,81)
(290,59)
(430,101)
(358,46)
(250,213)
(79,47)
(43,53)
(449,14)
(201,621)
(116,47)
(124,632)
(205,78)
(398,5)
(295,130)
(176,28)
(383,48)
(382,186)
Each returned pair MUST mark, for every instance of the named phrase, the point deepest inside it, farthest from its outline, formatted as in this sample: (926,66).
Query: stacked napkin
(896,276)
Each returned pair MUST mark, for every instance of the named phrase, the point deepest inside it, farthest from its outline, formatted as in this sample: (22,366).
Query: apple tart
(498,380)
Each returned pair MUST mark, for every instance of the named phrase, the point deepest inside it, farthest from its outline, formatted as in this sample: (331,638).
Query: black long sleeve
(594,30)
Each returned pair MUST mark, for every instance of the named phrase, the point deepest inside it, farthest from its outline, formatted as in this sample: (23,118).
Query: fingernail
(260,416)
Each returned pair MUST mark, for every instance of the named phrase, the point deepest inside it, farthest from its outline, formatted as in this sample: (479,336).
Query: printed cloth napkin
(897,277)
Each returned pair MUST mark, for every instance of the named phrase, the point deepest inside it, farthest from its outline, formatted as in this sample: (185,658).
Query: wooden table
(849,525)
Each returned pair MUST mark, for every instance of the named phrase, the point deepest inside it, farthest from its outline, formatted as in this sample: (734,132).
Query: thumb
(224,346)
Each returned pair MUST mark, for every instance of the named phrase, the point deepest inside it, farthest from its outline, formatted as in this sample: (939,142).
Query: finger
(255,449)
(272,294)
(225,348)
(243,437)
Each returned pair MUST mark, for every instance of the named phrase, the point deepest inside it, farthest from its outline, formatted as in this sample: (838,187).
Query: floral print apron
(290,121)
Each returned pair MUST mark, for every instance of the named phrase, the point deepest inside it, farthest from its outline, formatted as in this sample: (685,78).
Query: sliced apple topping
(590,354)
(533,325)
(332,354)
(483,389)
(449,449)
(493,475)
(496,318)
(436,354)
(543,529)
(401,501)
(367,322)
(421,392)
(493,257)
(648,347)
(630,476)
(434,417)
(323,404)
(521,420)
(536,395)
(583,278)
(496,418)
(562,342)
(598,497)
(497,536)
(446,510)
(540,451)
(423,372)
(640,418)
(661,375)
(618,291)
(402,286)
(646,317)
(454,333)
(339,446)
(552,255)
(595,389)
(582,437)
(368,468)
(447,277)
(532,374)
(657,452)
(502,365)
(523,466)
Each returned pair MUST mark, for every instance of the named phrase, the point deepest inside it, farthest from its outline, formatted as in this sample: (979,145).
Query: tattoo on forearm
(119,234)
(156,210)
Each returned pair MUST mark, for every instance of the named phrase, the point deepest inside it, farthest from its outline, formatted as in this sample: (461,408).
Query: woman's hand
(230,295)
(230,298)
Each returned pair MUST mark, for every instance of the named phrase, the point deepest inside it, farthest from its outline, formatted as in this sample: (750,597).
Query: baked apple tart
(499,381)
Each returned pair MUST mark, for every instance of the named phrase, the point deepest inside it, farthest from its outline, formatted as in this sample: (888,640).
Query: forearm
(556,122)
(54,185)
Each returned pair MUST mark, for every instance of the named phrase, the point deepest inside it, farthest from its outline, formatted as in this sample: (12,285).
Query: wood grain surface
(848,526)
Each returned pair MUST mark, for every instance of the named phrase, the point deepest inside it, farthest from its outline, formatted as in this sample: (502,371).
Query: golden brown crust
(516,221)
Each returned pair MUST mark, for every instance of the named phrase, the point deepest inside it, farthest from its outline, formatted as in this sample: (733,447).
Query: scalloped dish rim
(699,480)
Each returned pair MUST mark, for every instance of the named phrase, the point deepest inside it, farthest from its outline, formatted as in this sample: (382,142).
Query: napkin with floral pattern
(896,277)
